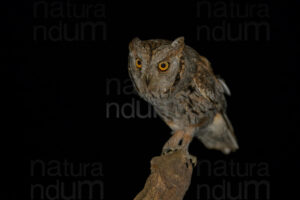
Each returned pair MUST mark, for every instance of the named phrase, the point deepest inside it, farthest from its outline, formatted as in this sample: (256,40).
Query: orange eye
(138,63)
(163,66)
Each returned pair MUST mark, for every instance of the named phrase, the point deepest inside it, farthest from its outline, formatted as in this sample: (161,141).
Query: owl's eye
(138,63)
(163,66)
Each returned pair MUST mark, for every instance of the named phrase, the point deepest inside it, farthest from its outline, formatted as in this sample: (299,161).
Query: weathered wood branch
(170,177)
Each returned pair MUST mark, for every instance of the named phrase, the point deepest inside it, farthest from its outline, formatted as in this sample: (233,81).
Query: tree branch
(170,177)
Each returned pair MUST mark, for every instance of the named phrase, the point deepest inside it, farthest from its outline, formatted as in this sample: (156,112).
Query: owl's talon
(189,158)
(168,150)
(179,141)
(193,160)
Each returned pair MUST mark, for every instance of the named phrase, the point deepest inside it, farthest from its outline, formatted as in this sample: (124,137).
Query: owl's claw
(178,141)
(192,159)
(189,158)
(166,151)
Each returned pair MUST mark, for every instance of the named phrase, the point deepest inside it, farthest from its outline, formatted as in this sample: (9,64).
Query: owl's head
(156,66)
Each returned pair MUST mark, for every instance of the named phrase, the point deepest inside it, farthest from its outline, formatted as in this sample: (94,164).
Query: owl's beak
(147,80)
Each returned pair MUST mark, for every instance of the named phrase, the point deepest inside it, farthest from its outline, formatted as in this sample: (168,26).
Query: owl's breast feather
(182,112)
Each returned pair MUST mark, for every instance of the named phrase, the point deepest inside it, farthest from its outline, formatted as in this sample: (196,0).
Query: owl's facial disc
(154,66)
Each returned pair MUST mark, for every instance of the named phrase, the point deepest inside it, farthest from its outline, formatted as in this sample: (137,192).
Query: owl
(185,93)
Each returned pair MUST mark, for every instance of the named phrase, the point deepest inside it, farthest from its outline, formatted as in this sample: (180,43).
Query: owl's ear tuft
(178,43)
(134,42)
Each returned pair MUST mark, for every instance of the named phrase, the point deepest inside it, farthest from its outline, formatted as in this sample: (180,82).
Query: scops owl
(181,86)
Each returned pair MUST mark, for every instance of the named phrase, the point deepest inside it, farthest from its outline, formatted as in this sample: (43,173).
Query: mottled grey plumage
(187,95)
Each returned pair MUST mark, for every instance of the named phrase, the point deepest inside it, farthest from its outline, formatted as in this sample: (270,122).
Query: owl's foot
(180,140)
(192,159)
(174,143)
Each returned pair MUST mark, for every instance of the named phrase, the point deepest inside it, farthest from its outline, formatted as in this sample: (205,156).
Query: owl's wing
(210,87)
(219,134)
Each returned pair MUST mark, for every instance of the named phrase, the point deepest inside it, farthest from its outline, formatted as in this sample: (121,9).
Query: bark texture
(170,177)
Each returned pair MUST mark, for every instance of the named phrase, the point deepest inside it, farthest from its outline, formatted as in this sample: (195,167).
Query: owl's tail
(219,135)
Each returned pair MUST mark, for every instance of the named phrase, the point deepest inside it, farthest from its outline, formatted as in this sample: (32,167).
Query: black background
(61,94)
